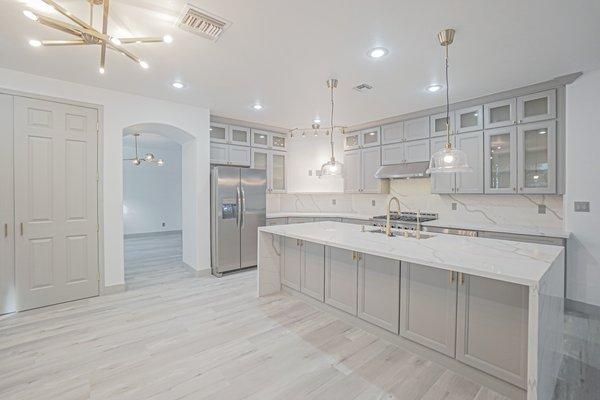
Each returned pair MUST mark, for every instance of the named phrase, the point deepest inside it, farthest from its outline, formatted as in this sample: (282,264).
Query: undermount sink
(398,233)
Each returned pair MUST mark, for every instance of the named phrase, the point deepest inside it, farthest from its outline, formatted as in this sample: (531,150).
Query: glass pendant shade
(448,160)
(332,167)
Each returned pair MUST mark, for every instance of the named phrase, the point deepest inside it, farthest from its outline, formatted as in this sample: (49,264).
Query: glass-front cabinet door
(469,119)
(219,132)
(437,124)
(260,138)
(442,183)
(500,113)
(370,137)
(500,146)
(352,141)
(278,141)
(260,160)
(537,157)
(278,171)
(239,135)
(537,106)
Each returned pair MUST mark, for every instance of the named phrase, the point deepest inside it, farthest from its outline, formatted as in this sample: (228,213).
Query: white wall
(309,153)
(152,194)
(583,184)
(122,110)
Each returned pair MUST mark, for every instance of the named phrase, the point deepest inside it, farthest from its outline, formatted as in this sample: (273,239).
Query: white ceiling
(281,52)
(151,140)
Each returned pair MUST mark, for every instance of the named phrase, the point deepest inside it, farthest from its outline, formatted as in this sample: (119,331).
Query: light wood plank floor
(173,336)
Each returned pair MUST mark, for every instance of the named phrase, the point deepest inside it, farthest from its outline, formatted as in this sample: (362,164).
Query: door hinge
(97,128)
(97,176)
(97,228)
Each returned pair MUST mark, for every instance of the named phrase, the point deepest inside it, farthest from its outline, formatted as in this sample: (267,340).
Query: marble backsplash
(414,194)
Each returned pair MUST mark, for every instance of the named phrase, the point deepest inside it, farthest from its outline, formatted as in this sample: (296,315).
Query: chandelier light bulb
(30,14)
(144,64)
(160,162)
(149,157)
(35,43)
(168,39)
(136,161)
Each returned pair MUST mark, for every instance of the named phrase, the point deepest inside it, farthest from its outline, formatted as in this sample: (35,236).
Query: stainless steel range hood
(403,171)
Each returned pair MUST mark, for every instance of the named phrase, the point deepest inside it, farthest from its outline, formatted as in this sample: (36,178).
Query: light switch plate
(373,203)
(318,172)
(454,206)
(581,206)
(541,209)
(310,172)
(333,201)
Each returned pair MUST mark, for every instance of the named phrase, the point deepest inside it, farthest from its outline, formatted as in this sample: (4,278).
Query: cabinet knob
(514,122)
(514,189)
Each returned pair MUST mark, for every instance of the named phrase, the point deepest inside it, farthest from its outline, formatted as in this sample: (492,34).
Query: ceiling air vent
(202,23)
(363,87)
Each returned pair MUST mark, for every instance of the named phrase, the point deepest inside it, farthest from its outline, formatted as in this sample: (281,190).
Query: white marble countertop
(516,262)
(514,229)
(318,214)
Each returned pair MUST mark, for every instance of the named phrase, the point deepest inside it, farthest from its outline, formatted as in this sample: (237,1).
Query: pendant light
(149,157)
(332,167)
(448,159)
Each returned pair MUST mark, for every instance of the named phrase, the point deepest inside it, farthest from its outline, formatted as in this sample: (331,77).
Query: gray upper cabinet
(312,277)
(219,133)
(536,146)
(472,145)
(492,320)
(291,265)
(537,106)
(379,291)
(469,119)
(370,137)
(500,160)
(219,153)
(431,292)
(260,138)
(370,163)
(352,171)
(500,113)
(415,129)
(441,183)
(437,124)
(352,140)
(341,279)
(239,155)
(392,133)
(392,154)
(398,153)
(279,141)
(239,135)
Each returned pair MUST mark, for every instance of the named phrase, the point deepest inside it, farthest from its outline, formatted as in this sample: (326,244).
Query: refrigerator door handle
(243,214)
(238,206)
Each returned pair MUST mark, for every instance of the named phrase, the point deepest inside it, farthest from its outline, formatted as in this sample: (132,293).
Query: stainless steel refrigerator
(237,209)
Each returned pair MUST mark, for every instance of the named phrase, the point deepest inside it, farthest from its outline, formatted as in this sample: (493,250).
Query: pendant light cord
(447,100)
(332,124)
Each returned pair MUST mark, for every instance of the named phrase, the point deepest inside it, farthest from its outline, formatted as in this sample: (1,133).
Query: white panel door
(472,145)
(56,258)
(352,170)
(239,155)
(371,161)
(7,231)
(417,150)
(415,129)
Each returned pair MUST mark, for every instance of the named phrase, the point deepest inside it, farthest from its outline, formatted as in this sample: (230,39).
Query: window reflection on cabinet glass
(260,160)
(370,137)
(536,158)
(217,132)
(278,172)
(500,161)
(500,114)
(469,119)
(260,138)
(352,141)
(239,136)
(534,107)
(278,141)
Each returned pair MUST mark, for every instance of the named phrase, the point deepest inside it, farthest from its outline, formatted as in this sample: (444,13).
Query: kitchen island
(487,308)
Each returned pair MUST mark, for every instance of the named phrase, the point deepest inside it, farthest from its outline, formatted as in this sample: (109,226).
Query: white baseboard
(112,289)
(197,273)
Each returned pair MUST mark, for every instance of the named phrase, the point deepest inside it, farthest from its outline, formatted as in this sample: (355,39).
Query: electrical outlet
(164,224)
(318,172)
(333,201)
(454,206)
(310,172)
(541,209)
(581,206)
(373,203)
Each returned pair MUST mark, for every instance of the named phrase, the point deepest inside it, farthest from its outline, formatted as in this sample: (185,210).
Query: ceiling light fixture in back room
(85,34)
(448,159)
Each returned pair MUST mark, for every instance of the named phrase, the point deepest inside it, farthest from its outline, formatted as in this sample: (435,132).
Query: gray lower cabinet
(276,221)
(379,291)
(299,220)
(428,301)
(492,320)
(312,270)
(291,262)
(341,277)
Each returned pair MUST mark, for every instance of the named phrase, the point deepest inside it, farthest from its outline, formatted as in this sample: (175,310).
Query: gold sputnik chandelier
(85,34)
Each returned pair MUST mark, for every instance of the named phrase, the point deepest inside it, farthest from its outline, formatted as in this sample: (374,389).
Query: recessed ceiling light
(35,43)
(177,85)
(434,88)
(257,107)
(168,39)
(144,64)
(378,52)
(29,14)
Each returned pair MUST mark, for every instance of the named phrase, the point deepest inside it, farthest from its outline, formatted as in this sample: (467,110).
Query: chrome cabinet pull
(462,278)
(21,229)
(451,277)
